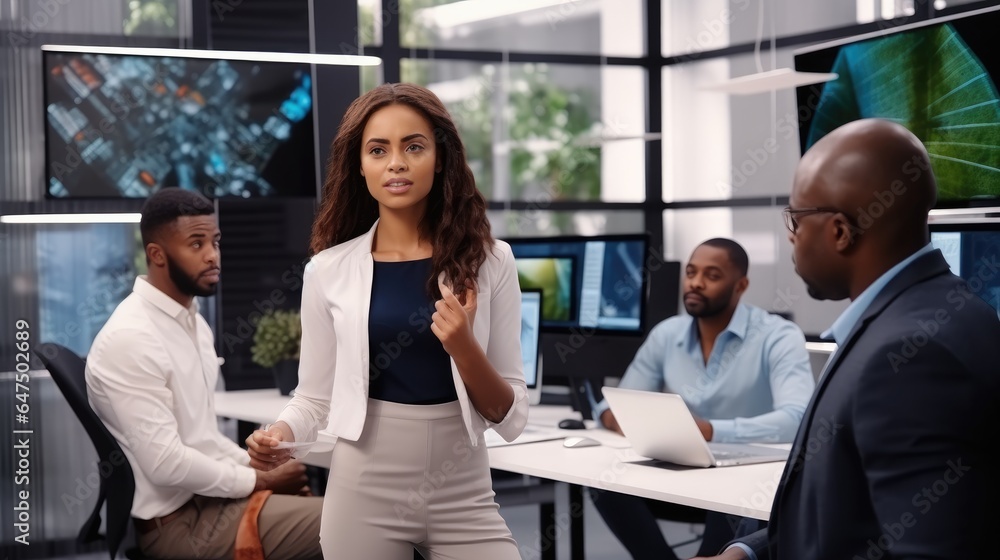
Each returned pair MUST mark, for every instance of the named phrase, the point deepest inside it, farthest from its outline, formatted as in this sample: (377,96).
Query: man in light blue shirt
(742,371)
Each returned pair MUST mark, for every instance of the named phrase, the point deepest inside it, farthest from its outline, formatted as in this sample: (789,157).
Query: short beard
(187,285)
(713,307)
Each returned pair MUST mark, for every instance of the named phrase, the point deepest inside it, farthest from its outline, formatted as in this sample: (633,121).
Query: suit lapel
(796,460)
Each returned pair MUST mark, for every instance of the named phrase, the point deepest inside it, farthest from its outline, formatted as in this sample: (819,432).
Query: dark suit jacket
(891,460)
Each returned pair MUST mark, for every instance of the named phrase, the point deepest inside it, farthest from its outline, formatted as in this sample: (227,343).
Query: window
(552,99)
(545,131)
(705,25)
(537,222)
(774,286)
(718,146)
(84,272)
(372,19)
(151,18)
(607,27)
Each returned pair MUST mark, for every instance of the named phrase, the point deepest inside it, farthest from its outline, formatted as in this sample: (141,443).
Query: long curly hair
(455,221)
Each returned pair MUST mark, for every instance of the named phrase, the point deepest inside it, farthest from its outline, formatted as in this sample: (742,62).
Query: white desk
(745,490)
(261,406)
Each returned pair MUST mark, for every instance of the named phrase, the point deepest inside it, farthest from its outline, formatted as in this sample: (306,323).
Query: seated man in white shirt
(742,371)
(151,377)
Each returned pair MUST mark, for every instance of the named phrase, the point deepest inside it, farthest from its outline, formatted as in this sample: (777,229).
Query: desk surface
(745,490)
(261,406)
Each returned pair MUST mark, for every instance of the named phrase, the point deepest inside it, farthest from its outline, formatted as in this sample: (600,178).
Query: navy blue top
(407,363)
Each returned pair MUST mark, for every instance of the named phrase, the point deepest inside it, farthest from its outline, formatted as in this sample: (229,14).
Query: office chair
(67,369)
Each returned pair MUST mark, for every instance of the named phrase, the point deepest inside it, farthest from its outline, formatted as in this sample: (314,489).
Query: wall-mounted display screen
(589,284)
(126,125)
(938,79)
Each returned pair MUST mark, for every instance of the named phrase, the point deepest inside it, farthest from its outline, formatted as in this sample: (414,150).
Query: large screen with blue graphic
(127,125)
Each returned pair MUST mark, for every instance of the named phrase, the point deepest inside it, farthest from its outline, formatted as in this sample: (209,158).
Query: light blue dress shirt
(755,386)
(842,327)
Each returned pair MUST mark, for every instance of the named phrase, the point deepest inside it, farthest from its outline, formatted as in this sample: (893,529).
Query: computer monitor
(591,285)
(531,322)
(554,277)
(938,78)
(972,250)
(123,123)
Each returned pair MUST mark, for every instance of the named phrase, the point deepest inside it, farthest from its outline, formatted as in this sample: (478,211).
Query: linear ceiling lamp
(115,218)
(594,140)
(771,80)
(777,79)
(253,56)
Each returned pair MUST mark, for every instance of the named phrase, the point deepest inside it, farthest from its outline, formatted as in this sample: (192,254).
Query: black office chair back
(67,369)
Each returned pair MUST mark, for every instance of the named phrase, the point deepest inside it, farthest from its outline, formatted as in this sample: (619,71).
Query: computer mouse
(572,424)
(579,441)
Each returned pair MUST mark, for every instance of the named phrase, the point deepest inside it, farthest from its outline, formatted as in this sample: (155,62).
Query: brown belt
(143,526)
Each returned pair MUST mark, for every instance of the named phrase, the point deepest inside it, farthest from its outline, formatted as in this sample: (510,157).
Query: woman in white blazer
(410,341)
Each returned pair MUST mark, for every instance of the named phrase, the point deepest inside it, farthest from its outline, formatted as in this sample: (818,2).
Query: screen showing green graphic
(937,80)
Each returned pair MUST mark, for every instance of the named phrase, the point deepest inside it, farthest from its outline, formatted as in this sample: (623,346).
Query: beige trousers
(413,480)
(288,525)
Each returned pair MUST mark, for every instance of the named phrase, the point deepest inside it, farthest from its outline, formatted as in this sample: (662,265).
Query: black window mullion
(391,51)
(653,201)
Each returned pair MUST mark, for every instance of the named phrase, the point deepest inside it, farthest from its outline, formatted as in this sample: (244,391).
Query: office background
(580,117)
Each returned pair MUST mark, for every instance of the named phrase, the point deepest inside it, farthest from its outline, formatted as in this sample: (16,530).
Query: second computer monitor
(971,250)
(590,284)
(531,323)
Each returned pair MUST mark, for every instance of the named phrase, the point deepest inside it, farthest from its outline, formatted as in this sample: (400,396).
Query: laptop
(660,426)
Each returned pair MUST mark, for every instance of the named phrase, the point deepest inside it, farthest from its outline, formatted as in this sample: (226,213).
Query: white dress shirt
(151,377)
(334,359)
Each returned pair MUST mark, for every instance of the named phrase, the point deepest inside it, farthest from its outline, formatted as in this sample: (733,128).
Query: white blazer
(334,361)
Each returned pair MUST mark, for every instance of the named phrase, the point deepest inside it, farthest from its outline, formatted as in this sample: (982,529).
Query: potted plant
(276,346)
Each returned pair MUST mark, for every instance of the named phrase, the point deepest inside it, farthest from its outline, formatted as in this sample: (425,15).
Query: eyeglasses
(790,214)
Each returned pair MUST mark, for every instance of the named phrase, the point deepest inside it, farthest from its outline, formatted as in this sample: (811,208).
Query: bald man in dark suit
(892,459)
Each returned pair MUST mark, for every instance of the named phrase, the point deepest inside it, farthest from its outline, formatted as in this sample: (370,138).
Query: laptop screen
(531,319)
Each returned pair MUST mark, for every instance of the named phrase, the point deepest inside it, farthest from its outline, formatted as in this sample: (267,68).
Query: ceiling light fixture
(253,56)
(772,80)
(762,82)
(116,218)
(595,141)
